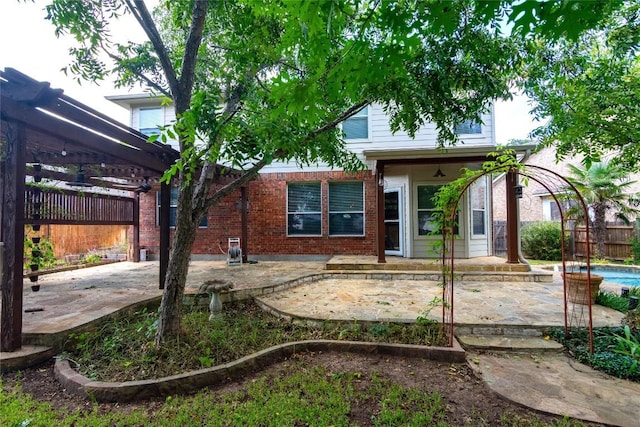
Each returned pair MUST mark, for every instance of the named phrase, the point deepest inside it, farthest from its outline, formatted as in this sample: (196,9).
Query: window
(357,126)
(173,208)
(428,216)
(478,196)
(150,120)
(468,127)
(304,209)
(346,208)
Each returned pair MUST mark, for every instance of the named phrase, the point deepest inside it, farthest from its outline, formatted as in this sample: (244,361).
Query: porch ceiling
(457,154)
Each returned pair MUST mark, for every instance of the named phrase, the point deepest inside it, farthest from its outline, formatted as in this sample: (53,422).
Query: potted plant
(38,255)
(578,286)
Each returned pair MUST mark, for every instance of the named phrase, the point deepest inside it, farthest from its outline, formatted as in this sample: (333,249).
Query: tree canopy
(256,81)
(587,90)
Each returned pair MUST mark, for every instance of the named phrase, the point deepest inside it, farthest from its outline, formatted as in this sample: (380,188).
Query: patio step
(509,343)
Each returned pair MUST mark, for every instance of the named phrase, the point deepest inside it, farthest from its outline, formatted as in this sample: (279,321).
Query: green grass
(305,396)
(123,350)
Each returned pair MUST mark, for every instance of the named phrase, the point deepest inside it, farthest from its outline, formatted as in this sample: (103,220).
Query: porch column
(136,228)
(12,235)
(512,218)
(165,211)
(380,203)
(244,223)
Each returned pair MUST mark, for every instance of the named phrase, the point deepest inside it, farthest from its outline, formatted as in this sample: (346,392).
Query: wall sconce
(518,191)
(380,180)
(439,173)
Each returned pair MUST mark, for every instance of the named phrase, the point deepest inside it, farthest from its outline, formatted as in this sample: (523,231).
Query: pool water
(621,277)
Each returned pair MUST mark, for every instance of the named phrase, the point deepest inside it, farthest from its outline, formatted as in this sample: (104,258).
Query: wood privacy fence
(79,222)
(617,244)
(83,239)
(617,241)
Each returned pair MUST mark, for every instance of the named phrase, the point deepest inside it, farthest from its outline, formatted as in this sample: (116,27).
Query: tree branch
(142,15)
(249,175)
(146,79)
(194,38)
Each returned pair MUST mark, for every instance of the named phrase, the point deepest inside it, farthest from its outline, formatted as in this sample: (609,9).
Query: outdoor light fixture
(624,292)
(439,173)
(80,180)
(64,150)
(518,191)
(633,303)
(144,187)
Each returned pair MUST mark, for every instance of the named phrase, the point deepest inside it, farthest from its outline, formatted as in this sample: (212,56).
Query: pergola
(48,137)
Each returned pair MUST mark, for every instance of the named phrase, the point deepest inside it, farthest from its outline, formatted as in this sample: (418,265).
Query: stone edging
(190,382)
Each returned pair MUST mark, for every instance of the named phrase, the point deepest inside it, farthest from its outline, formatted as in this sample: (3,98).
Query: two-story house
(315,212)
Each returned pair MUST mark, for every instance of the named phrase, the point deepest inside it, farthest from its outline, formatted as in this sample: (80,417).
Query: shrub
(543,240)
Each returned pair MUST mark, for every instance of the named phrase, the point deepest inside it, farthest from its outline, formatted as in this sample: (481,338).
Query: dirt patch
(469,401)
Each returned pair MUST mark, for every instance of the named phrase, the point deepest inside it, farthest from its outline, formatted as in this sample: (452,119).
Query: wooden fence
(617,244)
(617,240)
(82,239)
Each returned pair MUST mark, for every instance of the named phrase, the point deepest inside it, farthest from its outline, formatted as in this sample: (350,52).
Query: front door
(393,221)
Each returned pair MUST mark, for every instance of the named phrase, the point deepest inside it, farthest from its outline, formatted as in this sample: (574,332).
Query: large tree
(256,81)
(586,91)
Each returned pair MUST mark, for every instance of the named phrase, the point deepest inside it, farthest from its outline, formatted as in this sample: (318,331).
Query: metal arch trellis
(566,197)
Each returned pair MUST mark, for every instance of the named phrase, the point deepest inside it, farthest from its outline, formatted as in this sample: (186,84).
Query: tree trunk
(600,226)
(171,305)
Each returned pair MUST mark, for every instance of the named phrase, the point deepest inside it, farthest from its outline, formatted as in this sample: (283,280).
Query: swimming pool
(621,275)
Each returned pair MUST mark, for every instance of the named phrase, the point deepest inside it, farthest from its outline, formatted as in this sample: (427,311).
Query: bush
(542,240)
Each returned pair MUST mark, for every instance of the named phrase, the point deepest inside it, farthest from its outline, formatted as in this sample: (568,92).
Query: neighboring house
(318,212)
(536,203)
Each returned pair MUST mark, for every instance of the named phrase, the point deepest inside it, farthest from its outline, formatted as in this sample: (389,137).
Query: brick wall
(267,220)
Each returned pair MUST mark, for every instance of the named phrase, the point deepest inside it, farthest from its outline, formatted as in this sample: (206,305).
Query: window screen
(304,209)
(357,126)
(150,120)
(346,209)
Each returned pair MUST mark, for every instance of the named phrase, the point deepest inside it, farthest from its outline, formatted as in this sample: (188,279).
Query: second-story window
(357,126)
(468,127)
(150,120)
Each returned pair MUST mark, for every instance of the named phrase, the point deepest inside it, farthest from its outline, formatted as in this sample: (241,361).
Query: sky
(28,44)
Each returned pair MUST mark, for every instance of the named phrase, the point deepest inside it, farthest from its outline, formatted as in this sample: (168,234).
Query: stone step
(509,343)
(26,356)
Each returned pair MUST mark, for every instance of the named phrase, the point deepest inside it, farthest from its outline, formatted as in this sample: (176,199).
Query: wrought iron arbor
(572,209)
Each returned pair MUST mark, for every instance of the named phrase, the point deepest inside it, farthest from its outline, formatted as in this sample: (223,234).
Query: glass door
(393,221)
